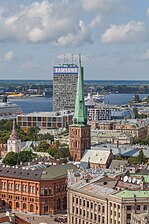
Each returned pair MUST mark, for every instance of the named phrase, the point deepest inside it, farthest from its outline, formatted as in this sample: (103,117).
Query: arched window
(58,203)
(46,208)
(10,204)
(31,208)
(11,186)
(64,203)
(17,205)
(23,188)
(24,206)
(3,203)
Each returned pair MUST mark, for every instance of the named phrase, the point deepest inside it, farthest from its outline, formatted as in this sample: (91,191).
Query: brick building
(39,191)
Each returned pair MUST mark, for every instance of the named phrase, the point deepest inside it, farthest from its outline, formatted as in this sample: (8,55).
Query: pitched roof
(96,156)
(52,172)
(132,194)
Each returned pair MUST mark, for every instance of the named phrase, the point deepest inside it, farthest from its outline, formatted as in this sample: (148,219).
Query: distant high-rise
(64,86)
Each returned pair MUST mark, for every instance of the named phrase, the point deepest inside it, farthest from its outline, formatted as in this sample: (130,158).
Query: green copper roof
(132,194)
(80,117)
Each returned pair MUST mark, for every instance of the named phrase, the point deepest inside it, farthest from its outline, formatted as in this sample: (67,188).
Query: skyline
(111,35)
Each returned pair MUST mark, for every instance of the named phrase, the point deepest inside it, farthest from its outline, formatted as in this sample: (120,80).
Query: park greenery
(57,150)
(144,141)
(30,135)
(13,158)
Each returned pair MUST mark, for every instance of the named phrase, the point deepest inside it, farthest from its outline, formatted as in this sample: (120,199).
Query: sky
(111,35)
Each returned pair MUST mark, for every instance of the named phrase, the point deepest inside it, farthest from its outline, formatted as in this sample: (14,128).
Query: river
(44,104)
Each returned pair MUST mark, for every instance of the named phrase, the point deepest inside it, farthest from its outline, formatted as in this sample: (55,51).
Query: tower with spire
(14,142)
(79,131)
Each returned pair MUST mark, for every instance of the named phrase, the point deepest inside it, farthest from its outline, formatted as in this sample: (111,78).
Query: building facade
(97,200)
(64,86)
(79,131)
(108,112)
(45,120)
(37,191)
(122,206)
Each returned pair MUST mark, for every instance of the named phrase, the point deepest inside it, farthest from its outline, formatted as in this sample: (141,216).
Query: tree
(42,147)
(141,158)
(25,156)
(135,111)
(32,133)
(137,98)
(52,151)
(11,159)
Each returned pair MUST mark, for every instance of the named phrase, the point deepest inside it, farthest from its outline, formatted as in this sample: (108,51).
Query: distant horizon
(131,80)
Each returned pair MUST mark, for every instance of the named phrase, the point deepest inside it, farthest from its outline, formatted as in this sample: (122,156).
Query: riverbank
(45,104)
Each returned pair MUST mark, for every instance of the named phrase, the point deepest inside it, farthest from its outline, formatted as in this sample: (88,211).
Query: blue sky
(111,35)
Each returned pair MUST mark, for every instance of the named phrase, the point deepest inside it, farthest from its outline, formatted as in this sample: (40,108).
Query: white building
(14,142)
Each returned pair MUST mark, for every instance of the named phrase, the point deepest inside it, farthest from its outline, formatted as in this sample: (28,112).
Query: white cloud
(81,36)
(144,55)
(131,32)
(28,66)
(43,21)
(98,5)
(8,56)
(96,21)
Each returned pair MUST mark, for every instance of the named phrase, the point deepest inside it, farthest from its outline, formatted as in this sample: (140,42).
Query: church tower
(79,131)
(14,142)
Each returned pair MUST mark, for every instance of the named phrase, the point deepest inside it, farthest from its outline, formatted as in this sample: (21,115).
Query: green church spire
(80,117)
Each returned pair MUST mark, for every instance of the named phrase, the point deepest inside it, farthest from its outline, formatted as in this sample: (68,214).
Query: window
(17,205)
(145,207)
(72,199)
(91,204)
(83,212)
(80,211)
(76,210)
(103,219)
(23,188)
(87,204)
(128,216)
(91,215)
(138,207)
(103,209)
(128,208)
(76,200)
(80,201)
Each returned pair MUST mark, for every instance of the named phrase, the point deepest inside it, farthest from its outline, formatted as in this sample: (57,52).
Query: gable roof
(96,156)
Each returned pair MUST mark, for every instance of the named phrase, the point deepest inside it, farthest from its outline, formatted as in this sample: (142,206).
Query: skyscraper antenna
(64,58)
(80,59)
(72,58)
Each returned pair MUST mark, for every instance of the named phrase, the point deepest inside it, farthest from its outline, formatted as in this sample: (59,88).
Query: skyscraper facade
(64,86)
